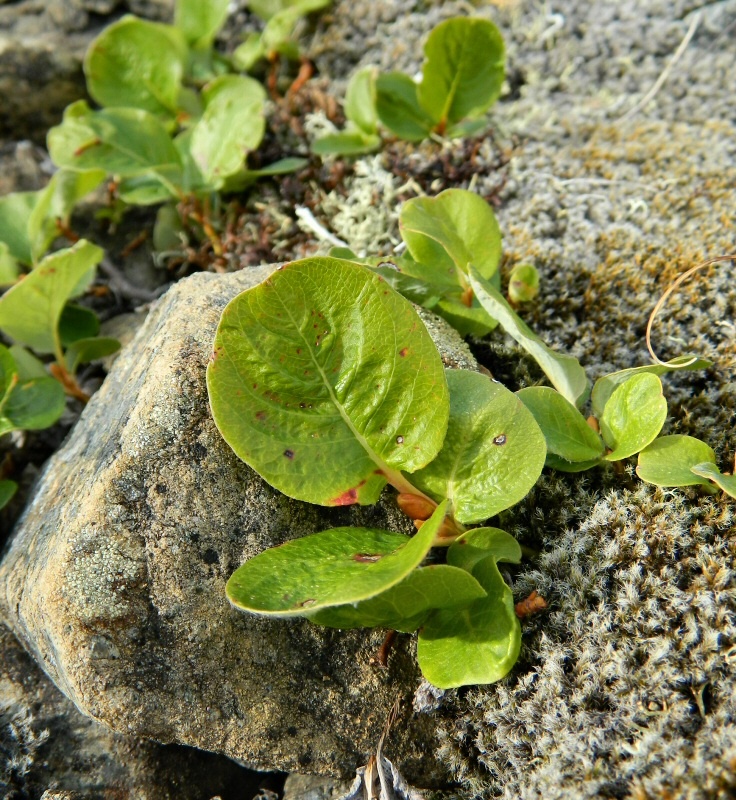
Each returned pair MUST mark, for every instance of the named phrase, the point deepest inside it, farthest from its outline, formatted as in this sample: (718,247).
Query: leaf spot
(260,416)
(310,601)
(500,439)
(367,558)
(399,440)
(289,454)
(404,352)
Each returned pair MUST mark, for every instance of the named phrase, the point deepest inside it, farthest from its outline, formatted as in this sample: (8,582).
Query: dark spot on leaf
(347,498)
(260,415)
(298,351)
(404,352)
(399,440)
(255,385)
(210,556)
(367,558)
(500,439)
(289,454)
(310,601)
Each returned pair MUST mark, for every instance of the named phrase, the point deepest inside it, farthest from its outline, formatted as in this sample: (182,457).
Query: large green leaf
(331,568)
(563,371)
(449,232)
(493,452)
(463,69)
(137,64)
(125,142)
(30,310)
(398,108)
(200,22)
(605,386)
(478,643)
(32,405)
(327,383)
(668,461)
(633,416)
(232,124)
(15,210)
(567,433)
(725,482)
(406,606)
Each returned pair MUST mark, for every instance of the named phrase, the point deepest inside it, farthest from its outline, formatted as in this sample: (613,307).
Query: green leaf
(278,33)
(725,482)
(567,433)
(249,53)
(476,644)
(33,405)
(468,550)
(266,9)
(232,124)
(493,453)
(28,365)
(200,22)
(30,311)
(125,142)
(668,461)
(398,108)
(463,69)
(449,232)
(85,350)
(77,322)
(331,568)
(605,386)
(56,202)
(168,230)
(326,382)
(137,64)
(563,371)
(633,416)
(467,128)
(523,283)
(7,490)
(360,101)
(563,465)
(346,143)
(247,177)
(15,209)
(9,269)
(470,320)
(405,606)
(8,373)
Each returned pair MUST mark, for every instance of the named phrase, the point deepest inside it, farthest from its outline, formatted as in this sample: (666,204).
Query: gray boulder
(115,577)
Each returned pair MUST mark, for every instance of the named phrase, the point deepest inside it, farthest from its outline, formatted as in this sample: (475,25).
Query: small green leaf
(200,22)
(360,101)
(563,371)
(137,64)
(30,310)
(523,283)
(33,405)
(405,606)
(476,644)
(346,143)
(8,373)
(472,547)
(15,209)
(493,452)
(449,232)
(398,108)
(232,124)
(725,482)
(463,70)
(567,433)
(605,386)
(633,416)
(77,322)
(327,383)
(7,490)
(249,53)
(9,269)
(668,461)
(331,568)
(85,350)
(246,177)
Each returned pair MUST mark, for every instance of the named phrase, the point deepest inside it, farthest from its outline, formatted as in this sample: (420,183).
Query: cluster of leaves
(330,398)
(462,77)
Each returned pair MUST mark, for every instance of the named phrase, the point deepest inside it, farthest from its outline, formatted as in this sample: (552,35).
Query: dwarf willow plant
(462,76)
(325,381)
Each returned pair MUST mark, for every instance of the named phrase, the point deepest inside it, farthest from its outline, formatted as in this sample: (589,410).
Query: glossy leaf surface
(668,461)
(331,568)
(398,108)
(633,416)
(137,64)
(406,606)
(563,371)
(463,69)
(725,482)
(326,382)
(30,310)
(493,453)
(472,547)
(567,433)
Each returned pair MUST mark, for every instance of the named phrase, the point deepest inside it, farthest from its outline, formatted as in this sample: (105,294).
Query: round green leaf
(668,461)
(480,543)
(77,322)
(326,382)
(493,453)
(405,606)
(7,490)
(138,64)
(331,568)
(398,108)
(33,405)
(725,482)
(475,644)
(633,416)
(567,433)
(463,69)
